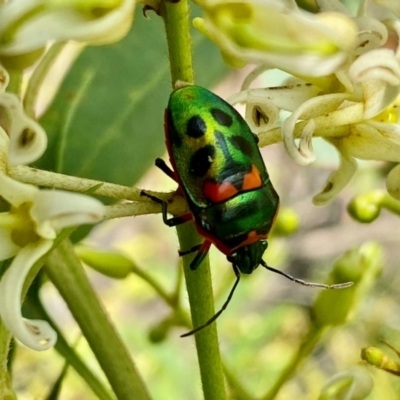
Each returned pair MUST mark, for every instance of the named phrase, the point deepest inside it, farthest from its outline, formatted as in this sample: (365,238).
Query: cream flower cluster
(35,217)
(345,82)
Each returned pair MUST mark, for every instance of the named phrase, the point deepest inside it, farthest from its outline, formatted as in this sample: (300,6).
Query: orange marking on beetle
(252,237)
(252,180)
(219,192)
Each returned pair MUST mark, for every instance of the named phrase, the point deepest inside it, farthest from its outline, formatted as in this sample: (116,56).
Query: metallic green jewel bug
(220,172)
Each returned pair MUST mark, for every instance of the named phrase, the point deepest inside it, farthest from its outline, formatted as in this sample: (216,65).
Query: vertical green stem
(65,271)
(5,339)
(201,301)
(198,283)
(176,20)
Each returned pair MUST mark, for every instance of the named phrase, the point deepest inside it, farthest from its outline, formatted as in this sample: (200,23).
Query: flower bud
(361,266)
(108,263)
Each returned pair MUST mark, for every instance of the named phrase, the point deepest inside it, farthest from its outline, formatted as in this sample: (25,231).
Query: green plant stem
(309,342)
(38,76)
(391,204)
(177,26)
(198,283)
(5,339)
(201,301)
(65,271)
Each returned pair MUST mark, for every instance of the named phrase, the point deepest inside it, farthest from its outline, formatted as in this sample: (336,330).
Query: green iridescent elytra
(222,174)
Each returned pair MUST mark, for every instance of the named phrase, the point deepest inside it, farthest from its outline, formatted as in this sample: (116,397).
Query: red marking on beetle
(219,192)
(252,180)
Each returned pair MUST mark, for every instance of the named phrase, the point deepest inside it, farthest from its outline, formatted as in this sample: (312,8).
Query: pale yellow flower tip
(27,25)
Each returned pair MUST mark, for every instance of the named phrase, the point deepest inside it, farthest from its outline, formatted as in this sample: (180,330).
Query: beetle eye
(232,257)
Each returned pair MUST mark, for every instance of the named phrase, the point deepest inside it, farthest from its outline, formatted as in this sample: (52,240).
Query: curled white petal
(54,210)
(312,108)
(253,75)
(372,34)
(28,139)
(38,335)
(305,145)
(337,180)
(364,66)
(287,97)
(43,22)
(261,116)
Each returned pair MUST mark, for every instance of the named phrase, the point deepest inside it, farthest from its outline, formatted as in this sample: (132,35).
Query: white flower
(277,32)
(27,232)
(355,108)
(28,139)
(27,25)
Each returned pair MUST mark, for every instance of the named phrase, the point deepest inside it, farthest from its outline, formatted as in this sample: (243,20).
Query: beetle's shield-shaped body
(220,169)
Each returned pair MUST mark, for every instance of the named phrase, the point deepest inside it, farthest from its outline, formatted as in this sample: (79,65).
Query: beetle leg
(214,317)
(201,254)
(167,170)
(164,208)
(186,252)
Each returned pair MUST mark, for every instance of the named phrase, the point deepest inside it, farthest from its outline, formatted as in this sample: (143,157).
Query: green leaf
(106,121)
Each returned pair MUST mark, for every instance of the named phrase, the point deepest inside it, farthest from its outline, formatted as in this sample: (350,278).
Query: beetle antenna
(214,317)
(305,283)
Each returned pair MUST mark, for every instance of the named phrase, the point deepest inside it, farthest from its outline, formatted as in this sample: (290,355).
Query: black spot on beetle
(243,145)
(221,117)
(201,161)
(196,127)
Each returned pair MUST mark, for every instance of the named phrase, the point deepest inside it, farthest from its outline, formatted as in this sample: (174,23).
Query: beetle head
(248,258)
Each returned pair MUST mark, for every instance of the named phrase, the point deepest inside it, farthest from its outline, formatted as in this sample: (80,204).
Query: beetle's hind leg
(202,251)
(164,209)
(186,252)
(160,163)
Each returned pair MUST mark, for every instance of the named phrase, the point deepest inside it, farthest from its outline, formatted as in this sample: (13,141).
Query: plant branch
(65,271)
(198,283)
